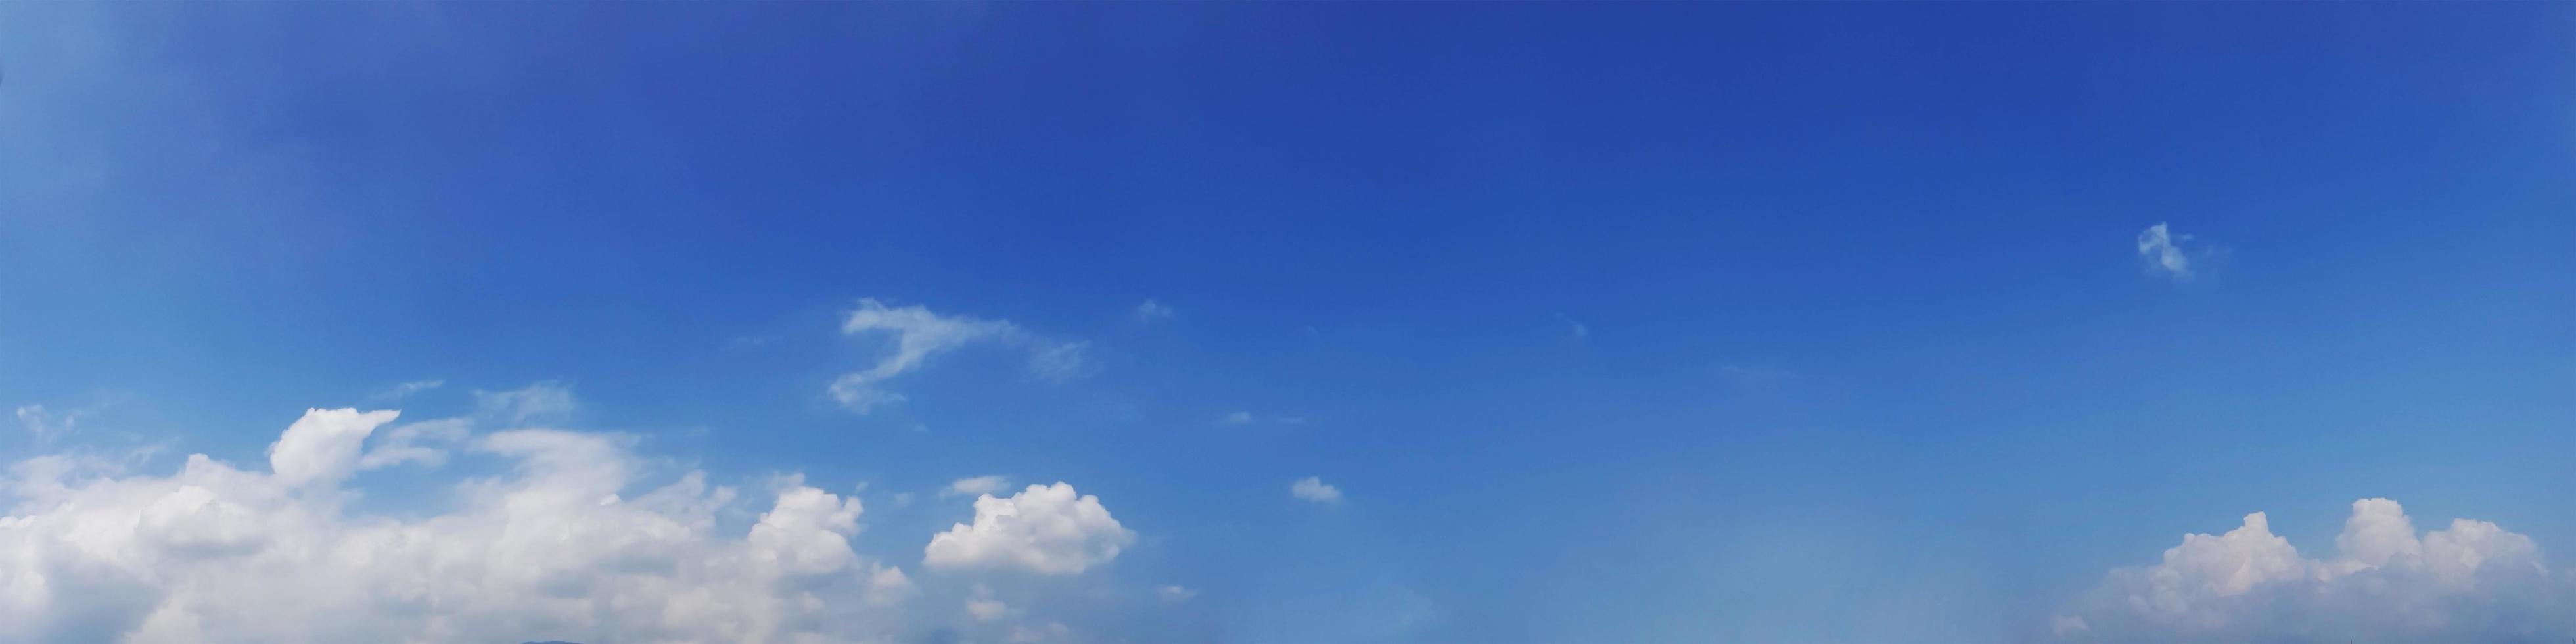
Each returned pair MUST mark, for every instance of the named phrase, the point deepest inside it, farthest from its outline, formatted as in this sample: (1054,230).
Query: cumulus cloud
(2470,581)
(979,485)
(1314,489)
(549,550)
(2163,253)
(1151,312)
(543,402)
(919,333)
(323,446)
(1045,529)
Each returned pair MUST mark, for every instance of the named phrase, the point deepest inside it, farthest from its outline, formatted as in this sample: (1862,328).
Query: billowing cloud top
(1045,529)
(2472,581)
(549,550)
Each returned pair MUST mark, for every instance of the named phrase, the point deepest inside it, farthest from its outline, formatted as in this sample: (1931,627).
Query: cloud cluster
(1045,529)
(2470,581)
(919,333)
(551,549)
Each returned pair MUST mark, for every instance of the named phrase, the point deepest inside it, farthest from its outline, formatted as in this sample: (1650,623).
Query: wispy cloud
(46,424)
(1151,312)
(919,333)
(2164,254)
(975,486)
(1579,329)
(542,402)
(405,390)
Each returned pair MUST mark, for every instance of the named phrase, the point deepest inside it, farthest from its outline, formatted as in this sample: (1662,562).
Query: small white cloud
(1046,529)
(405,390)
(1236,418)
(1175,594)
(1151,312)
(541,402)
(1314,489)
(2163,252)
(975,486)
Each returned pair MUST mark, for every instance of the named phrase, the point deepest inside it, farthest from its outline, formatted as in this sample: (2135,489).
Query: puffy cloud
(1151,312)
(1314,489)
(543,402)
(1045,529)
(322,447)
(980,485)
(2469,581)
(2163,252)
(918,333)
(548,550)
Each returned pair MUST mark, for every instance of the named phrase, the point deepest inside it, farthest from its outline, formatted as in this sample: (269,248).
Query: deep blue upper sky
(1866,348)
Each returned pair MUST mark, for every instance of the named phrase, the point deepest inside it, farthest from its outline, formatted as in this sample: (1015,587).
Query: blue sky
(1654,322)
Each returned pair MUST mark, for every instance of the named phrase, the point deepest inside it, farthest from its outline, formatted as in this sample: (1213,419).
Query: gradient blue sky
(1637,322)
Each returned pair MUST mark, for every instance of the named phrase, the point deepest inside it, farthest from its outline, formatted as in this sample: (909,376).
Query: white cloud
(1045,529)
(45,424)
(1236,418)
(405,390)
(1151,312)
(419,444)
(2163,252)
(917,333)
(1175,594)
(1060,362)
(548,550)
(322,448)
(2469,581)
(981,605)
(1579,330)
(1314,489)
(542,402)
(975,486)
